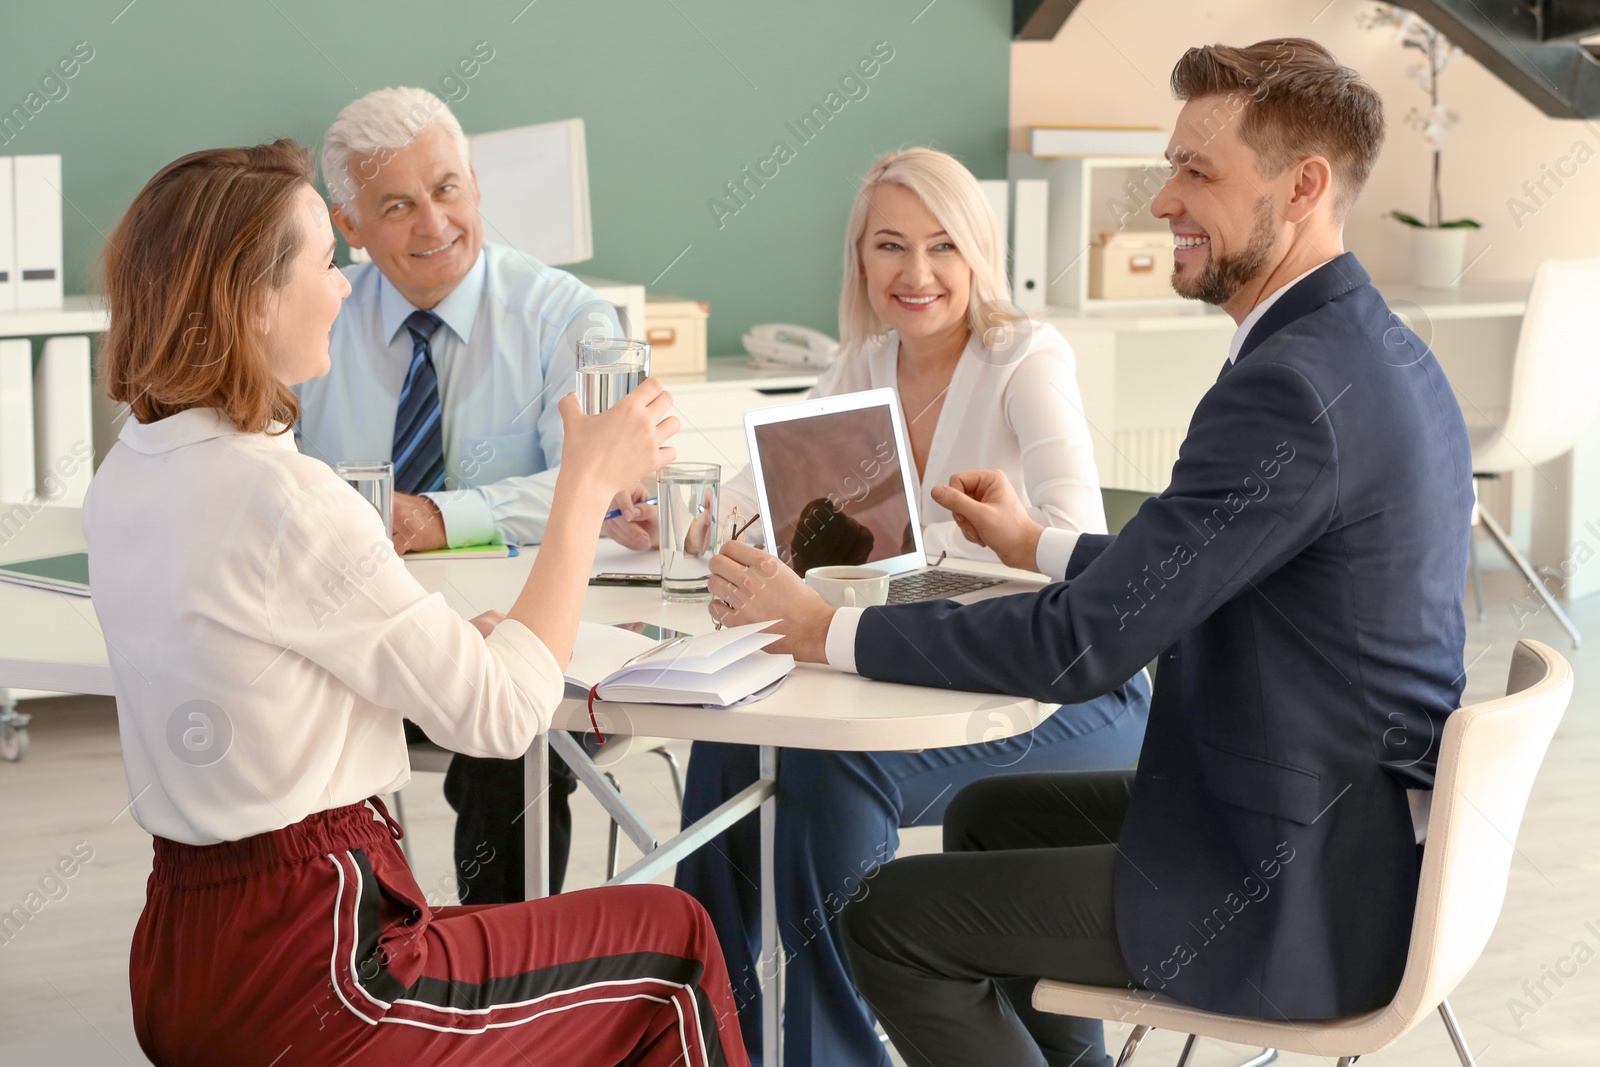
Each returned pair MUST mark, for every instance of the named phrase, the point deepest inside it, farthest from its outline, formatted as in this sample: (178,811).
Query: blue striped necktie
(418,434)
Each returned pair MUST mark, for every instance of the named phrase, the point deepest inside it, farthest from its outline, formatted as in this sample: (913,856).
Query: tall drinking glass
(374,480)
(609,369)
(686,502)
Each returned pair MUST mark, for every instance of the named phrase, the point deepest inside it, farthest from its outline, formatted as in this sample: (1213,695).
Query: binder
(998,192)
(8,237)
(37,229)
(1029,243)
(16,423)
(63,440)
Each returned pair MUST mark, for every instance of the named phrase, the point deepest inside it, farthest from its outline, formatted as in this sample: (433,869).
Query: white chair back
(1555,381)
(1488,760)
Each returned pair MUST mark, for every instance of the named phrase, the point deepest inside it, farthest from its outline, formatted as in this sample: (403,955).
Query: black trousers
(947,948)
(486,795)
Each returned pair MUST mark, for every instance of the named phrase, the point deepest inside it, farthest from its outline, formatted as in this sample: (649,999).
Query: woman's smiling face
(917,280)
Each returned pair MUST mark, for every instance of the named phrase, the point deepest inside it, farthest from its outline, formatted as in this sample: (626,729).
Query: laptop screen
(835,490)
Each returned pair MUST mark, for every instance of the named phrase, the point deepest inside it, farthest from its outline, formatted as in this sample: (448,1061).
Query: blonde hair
(952,195)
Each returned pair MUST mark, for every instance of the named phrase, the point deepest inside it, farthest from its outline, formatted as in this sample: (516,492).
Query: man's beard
(1224,275)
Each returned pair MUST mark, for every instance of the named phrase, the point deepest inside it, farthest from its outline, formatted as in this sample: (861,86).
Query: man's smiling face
(416,214)
(1225,225)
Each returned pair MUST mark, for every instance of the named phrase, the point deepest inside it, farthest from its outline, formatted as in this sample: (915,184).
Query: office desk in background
(1142,371)
(711,405)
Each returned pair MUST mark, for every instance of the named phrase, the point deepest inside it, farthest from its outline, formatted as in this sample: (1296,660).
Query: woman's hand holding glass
(618,447)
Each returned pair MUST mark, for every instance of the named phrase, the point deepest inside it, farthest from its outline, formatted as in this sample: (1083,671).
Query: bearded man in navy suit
(1300,581)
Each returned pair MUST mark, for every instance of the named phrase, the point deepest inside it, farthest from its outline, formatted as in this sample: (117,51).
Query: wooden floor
(63,977)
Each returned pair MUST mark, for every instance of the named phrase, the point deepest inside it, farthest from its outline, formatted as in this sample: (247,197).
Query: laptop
(834,490)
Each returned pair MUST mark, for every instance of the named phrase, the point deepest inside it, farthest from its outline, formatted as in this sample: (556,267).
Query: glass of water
(374,480)
(686,502)
(609,368)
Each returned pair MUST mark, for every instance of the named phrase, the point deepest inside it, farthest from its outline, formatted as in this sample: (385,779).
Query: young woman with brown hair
(265,642)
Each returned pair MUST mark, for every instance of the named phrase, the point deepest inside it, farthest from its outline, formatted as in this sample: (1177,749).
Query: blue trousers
(839,819)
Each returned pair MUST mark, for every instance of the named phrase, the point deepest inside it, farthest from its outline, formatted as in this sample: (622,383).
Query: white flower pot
(1437,256)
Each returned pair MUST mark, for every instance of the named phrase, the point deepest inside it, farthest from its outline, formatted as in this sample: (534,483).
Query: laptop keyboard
(935,585)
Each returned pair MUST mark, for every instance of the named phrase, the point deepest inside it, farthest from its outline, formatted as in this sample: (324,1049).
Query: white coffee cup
(850,587)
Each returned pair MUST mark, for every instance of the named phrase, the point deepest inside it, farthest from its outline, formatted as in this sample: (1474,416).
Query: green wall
(677,97)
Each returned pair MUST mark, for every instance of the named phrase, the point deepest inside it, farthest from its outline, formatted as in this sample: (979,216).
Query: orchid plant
(1434,124)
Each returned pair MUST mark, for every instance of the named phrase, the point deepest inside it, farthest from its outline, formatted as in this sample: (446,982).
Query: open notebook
(717,669)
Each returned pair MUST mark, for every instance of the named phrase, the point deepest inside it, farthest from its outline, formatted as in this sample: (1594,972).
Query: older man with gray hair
(448,359)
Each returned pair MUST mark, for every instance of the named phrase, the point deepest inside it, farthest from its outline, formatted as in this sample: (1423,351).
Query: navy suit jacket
(1301,579)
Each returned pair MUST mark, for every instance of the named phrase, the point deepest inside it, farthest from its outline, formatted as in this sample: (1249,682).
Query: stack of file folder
(30,232)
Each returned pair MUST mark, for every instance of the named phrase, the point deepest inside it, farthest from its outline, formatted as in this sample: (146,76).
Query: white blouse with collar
(1021,415)
(265,640)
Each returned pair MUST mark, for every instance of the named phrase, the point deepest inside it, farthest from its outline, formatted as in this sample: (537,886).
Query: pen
(616,513)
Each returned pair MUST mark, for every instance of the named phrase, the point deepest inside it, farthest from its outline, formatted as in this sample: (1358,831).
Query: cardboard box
(676,330)
(1134,265)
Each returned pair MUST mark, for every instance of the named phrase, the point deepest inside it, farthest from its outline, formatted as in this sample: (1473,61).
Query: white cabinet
(711,409)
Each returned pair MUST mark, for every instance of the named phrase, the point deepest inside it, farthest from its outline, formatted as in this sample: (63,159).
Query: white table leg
(771,967)
(536,818)
(615,804)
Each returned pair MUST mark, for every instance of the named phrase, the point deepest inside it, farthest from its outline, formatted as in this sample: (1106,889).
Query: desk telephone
(776,344)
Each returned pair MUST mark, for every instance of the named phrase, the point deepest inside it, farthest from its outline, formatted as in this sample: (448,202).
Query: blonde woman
(923,310)
(265,643)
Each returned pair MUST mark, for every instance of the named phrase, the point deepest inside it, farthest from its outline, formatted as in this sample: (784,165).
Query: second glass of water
(374,480)
(687,508)
(609,369)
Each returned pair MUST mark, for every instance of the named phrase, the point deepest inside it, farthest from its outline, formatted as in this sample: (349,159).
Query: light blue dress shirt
(505,355)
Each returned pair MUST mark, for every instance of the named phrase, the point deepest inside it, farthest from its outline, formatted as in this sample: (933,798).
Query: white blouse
(265,640)
(1024,417)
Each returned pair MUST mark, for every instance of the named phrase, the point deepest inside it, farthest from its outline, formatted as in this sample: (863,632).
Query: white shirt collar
(1260,310)
(187,427)
(458,309)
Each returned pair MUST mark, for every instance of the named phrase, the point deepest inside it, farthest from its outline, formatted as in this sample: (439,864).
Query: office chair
(1488,759)
(1555,397)
(1121,505)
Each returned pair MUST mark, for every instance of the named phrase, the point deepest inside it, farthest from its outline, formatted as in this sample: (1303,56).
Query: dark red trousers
(313,945)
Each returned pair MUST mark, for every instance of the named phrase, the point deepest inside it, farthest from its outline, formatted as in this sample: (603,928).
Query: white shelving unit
(1090,196)
(76,315)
